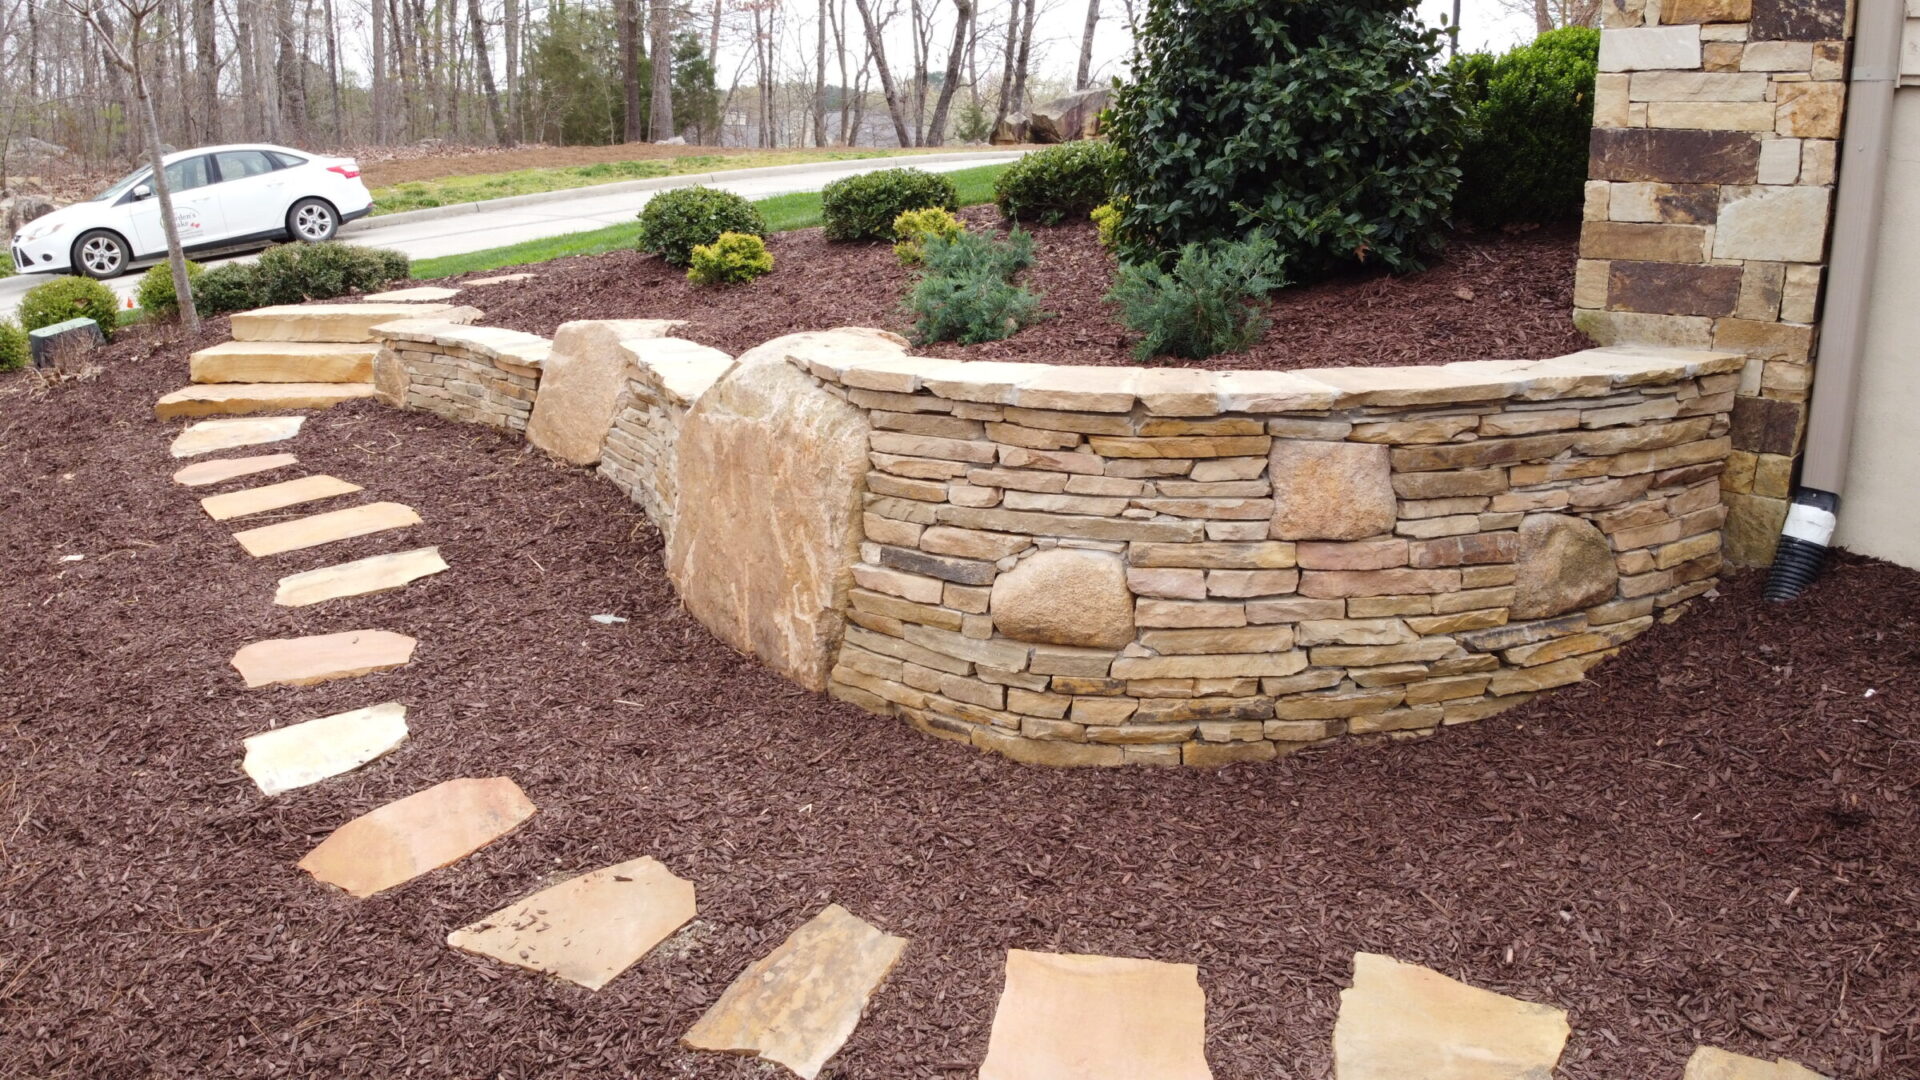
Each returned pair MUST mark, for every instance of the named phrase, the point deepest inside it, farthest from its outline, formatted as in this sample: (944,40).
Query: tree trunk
(511,15)
(1542,19)
(1026,56)
(820,76)
(333,73)
(628,14)
(377,98)
(293,98)
(878,49)
(1080,78)
(1005,107)
(937,129)
(485,64)
(660,22)
(249,76)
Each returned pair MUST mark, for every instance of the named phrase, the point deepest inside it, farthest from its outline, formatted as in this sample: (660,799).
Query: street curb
(656,183)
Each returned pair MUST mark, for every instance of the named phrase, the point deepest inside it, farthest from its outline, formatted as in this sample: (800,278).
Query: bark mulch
(1491,296)
(1713,840)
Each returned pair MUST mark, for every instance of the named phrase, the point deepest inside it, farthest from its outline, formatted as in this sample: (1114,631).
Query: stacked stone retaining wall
(663,380)
(478,374)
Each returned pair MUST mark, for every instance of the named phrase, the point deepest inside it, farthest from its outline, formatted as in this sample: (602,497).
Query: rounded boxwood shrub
(66,298)
(914,228)
(676,221)
(291,273)
(156,296)
(230,287)
(733,259)
(13,346)
(1529,118)
(1317,122)
(1059,183)
(864,207)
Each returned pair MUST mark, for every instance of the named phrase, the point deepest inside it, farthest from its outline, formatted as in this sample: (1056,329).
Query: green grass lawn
(783,213)
(455,190)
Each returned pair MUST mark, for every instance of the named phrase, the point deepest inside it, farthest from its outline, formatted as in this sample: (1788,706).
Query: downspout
(1808,532)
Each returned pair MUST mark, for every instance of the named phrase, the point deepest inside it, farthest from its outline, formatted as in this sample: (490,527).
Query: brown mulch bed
(1713,840)
(1492,296)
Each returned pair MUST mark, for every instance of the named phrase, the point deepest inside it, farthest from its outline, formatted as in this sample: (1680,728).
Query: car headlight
(38,232)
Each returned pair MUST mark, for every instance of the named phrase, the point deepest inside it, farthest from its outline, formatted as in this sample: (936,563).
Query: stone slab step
(259,500)
(1400,1020)
(587,929)
(307,532)
(303,661)
(1077,1017)
(209,435)
(220,470)
(284,362)
(306,753)
(238,399)
(798,1004)
(416,294)
(1708,1063)
(326,322)
(499,279)
(361,577)
(422,832)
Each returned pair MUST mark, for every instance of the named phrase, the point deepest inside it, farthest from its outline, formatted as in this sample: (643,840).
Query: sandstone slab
(426,830)
(279,496)
(330,322)
(1065,596)
(770,474)
(283,362)
(1076,1017)
(1564,563)
(303,661)
(220,470)
(361,577)
(325,528)
(238,399)
(581,380)
(587,929)
(1330,490)
(414,295)
(209,435)
(306,753)
(798,1004)
(1708,1063)
(499,279)
(1400,1021)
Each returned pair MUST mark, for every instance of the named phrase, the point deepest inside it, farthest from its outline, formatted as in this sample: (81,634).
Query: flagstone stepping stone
(1708,1063)
(333,322)
(234,399)
(360,577)
(587,929)
(209,435)
(283,362)
(1402,1020)
(279,496)
(325,528)
(798,1004)
(420,833)
(307,753)
(1077,1017)
(202,473)
(303,661)
(414,295)
(500,279)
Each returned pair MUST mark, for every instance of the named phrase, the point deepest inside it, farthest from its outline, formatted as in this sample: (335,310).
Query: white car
(223,197)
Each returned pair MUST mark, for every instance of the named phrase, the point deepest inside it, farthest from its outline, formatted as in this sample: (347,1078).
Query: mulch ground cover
(1713,840)
(1491,296)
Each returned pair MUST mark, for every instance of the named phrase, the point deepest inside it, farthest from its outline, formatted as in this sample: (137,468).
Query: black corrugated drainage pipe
(1878,26)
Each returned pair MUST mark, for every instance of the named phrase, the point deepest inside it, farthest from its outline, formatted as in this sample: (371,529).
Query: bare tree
(937,128)
(820,76)
(1553,14)
(629,18)
(877,48)
(500,132)
(1086,46)
(660,23)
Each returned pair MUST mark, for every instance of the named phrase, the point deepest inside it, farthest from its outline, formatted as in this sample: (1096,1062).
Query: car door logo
(187,219)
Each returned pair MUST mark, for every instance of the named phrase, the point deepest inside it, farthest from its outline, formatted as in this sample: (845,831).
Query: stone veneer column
(1716,128)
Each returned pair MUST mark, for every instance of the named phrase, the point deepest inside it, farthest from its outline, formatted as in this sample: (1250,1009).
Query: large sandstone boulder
(1330,490)
(580,382)
(771,470)
(1064,119)
(1065,596)
(1564,564)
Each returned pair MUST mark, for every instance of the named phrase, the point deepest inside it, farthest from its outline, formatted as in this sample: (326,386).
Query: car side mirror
(143,192)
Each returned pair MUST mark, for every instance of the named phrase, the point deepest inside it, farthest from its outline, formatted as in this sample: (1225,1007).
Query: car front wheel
(101,254)
(312,220)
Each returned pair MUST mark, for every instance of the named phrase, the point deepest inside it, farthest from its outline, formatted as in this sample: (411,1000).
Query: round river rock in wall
(1065,596)
(1565,563)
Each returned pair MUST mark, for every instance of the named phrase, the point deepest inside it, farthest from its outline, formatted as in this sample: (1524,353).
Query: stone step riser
(284,362)
(240,399)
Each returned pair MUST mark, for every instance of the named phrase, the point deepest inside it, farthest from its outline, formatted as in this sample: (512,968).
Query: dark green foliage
(1059,183)
(1209,303)
(973,125)
(678,220)
(230,287)
(696,100)
(291,273)
(13,346)
(156,296)
(571,87)
(863,207)
(966,294)
(66,298)
(1529,118)
(1316,122)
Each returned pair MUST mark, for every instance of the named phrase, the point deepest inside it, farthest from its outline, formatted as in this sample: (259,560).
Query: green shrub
(6,264)
(156,296)
(914,228)
(864,207)
(66,298)
(969,254)
(13,346)
(291,273)
(966,293)
(230,287)
(1208,303)
(733,259)
(1317,122)
(1106,218)
(679,220)
(1059,183)
(1529,119)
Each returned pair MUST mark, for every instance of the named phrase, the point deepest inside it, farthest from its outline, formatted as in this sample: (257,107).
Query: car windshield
(121,185)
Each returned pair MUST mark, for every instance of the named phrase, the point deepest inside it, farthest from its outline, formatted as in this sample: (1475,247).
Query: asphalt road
(583,209)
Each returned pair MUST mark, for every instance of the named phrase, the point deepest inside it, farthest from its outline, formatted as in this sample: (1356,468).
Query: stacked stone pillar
(1714,154)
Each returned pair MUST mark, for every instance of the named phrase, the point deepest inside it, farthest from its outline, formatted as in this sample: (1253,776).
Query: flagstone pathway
(361,577)
(306,753)
(587,929)
(363,520)
(220,470)
(279,496)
